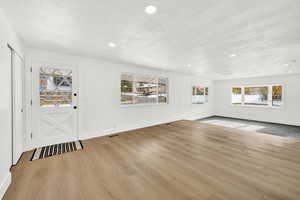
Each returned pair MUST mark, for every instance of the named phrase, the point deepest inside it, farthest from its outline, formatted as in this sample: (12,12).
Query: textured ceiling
(264,35)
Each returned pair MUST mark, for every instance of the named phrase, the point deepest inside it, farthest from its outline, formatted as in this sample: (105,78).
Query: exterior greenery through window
(277,95)
(236,97)
(199,95)
(142,89)
(270,95)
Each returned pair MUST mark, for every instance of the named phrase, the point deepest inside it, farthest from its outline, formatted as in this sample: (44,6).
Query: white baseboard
(115,131)
(90,135)
(198,118)
(258,120)
(5,184)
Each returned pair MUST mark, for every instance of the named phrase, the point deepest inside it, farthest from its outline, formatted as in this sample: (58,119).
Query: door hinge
(30,69)
(31,102)
(31,135)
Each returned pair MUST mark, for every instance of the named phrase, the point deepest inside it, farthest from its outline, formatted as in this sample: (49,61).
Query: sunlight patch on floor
(238,125)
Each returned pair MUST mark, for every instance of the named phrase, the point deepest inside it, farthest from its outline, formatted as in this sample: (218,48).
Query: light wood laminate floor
(180,161)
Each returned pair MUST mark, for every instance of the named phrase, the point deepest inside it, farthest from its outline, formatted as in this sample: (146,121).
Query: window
(55,87)
(256,96)
(236,97)
(162,90)
(199,95)
(267,95)
(206,94)
(277,95)
(140,89)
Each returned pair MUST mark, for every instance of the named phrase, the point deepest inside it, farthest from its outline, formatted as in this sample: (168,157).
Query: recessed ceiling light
(286,64)
(150,9)
(232,55)
(111,44)
(189,65)
(290,71)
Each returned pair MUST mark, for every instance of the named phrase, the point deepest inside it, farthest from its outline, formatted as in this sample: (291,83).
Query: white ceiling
(263,34)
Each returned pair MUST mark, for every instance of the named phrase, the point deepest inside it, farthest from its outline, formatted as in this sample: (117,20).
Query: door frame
(30,143)
(12,103)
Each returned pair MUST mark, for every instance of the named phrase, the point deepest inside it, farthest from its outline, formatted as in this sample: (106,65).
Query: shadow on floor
(261,127)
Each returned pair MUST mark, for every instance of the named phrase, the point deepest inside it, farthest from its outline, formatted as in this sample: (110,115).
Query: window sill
(258,106)
(142,105)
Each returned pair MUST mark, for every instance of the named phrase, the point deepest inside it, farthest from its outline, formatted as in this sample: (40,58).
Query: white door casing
(54,103)
(17,106)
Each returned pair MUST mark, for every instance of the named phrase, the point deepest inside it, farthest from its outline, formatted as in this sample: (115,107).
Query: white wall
(288,114)
(100,112)
(7,35)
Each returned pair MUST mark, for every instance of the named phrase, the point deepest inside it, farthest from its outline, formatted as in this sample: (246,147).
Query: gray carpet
(261,127)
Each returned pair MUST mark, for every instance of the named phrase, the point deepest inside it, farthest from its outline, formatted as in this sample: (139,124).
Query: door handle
(75,107)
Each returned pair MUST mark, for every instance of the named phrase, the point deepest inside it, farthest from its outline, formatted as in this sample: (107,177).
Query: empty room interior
(150,100)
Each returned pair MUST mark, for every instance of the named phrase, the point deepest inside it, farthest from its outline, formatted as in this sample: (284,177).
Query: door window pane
(236,96)
(55,87)
(256,95)
(277,95)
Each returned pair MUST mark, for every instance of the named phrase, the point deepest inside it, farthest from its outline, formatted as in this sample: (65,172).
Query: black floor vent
(115,135)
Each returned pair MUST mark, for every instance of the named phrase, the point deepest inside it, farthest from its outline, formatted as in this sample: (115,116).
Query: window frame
(270,99)
(157,91)
(206,97)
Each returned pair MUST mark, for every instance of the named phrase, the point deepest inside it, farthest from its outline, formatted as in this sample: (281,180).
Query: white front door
(54,104)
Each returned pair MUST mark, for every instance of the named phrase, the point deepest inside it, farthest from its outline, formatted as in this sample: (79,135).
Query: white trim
(10,111)
(205,96)
(28,107)
(270,100)
(142,104)
(5,184)
(129,128)
(94,134)
(199,118)
(258,120)
(149,75)
(257,106)
(17,154)
(33,142)
(156,81)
